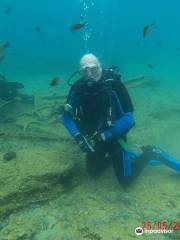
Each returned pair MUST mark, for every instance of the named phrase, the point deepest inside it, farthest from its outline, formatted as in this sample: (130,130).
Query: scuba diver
(99,114)
(9,90)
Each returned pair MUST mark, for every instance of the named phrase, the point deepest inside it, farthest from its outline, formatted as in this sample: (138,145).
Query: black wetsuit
(90,104)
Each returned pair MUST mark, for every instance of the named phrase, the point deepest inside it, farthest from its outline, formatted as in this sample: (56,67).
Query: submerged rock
(9,156)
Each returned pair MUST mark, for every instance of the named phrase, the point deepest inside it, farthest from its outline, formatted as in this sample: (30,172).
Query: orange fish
(77,26)
(55,81)
(147,29)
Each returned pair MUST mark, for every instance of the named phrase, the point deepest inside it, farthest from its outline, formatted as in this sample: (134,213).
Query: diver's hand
(96,140)
(84,144)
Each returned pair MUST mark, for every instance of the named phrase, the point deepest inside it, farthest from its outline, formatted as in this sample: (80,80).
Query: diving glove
(84,143)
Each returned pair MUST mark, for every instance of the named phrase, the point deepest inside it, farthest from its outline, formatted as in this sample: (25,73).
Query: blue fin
(156,154)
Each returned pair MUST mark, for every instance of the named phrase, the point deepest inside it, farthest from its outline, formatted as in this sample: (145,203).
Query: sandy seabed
(88,208)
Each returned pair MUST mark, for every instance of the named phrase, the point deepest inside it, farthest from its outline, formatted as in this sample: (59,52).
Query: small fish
(159,43)
(8,10)
(151,66)
(3,46)
(77,26)
(147,29)
(55,81)
(37,29)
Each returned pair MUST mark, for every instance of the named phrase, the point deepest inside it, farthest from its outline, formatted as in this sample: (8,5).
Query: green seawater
(46,192)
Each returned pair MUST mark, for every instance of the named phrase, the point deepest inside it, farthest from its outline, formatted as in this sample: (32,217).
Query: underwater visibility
(89,120)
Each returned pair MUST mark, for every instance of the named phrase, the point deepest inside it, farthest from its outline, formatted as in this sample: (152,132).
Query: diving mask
(90,67)
(91,72)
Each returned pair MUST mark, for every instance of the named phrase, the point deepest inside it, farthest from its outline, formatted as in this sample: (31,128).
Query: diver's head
(90,67)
